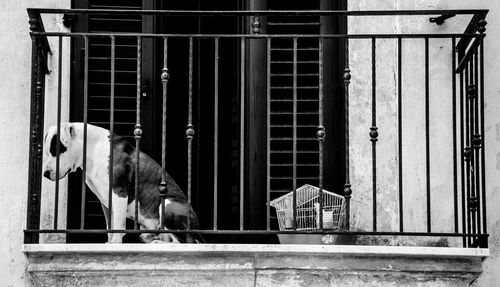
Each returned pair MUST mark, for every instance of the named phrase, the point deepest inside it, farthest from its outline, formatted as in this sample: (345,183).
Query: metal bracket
(440,20)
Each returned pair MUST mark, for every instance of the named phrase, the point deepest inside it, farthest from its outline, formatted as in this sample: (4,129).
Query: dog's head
(69,156)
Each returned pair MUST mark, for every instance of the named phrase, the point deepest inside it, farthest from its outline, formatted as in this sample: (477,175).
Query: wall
(413,121)
(15,60)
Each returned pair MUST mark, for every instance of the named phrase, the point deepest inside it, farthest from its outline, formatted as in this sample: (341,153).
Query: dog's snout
(47,174)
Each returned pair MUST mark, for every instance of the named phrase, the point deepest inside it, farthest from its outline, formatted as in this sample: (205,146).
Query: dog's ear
(67,133)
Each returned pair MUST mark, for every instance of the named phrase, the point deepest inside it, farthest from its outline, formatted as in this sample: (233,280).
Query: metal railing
(467,96)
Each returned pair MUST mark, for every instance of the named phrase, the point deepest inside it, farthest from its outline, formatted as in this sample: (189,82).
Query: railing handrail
(37,28)
(483,12)
(287,36)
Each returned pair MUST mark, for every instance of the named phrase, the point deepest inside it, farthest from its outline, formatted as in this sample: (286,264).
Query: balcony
(390,124)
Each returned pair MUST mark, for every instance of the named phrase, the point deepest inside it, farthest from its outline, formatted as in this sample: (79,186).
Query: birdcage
(308,209)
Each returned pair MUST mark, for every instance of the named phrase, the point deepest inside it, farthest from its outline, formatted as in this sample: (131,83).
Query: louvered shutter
(281,106)
(99,75)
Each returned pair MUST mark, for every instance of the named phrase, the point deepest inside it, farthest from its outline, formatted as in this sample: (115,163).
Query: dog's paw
(158,241)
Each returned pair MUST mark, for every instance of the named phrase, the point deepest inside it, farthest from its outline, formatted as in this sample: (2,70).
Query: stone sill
(410,251)
(250,265)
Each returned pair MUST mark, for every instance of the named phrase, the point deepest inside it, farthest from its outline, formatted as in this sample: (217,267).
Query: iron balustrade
(468,134)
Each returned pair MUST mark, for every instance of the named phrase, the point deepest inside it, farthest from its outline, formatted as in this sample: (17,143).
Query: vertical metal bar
(471,95)
(427,138)
(476,141)
(216,128)
(190,129)
(111,133)
(374,134)
(467,153)
(268,125)
(400,133)
(58,147)
(347,185)
(294,147)
(36,142)
(242,132)
(137,131)
(320,134)
(85,120)
(454,123)
(462,156)
(164,79)
(481,100)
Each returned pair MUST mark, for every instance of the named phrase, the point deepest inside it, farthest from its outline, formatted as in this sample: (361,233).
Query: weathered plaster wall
(413,120)
(15,60)
(15,94)
(54,23)
(413,110)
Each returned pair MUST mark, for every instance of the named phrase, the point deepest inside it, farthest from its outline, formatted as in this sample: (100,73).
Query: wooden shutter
(125,66)
(99,75)
(281,106)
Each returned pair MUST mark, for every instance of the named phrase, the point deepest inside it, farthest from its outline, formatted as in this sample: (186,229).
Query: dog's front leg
(119,217)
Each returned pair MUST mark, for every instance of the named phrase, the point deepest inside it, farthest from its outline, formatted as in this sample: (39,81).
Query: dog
(177,209)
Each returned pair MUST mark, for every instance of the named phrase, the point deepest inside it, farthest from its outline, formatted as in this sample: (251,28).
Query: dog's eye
(53,146)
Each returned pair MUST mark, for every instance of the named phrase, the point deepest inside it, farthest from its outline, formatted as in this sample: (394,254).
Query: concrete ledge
(249,265)
(252,248)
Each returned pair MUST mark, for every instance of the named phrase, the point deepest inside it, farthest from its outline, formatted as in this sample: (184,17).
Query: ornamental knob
(347,75)
(256,25)
(189,131)
(373,133)
(347,190)
(165,75)
(320,133)
(468,154)
(476,141)
(33,24)
(163,188)
(137,132)
(481,26)
(471,91)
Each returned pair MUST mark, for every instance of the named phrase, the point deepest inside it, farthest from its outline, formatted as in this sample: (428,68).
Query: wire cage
(308,208)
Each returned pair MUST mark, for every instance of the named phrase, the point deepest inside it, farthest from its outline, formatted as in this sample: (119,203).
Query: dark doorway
(203,176)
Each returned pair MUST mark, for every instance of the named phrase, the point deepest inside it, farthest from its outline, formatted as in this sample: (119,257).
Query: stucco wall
(15,60)
(413,120)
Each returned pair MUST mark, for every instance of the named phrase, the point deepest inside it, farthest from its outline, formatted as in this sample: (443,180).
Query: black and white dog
(177,209)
